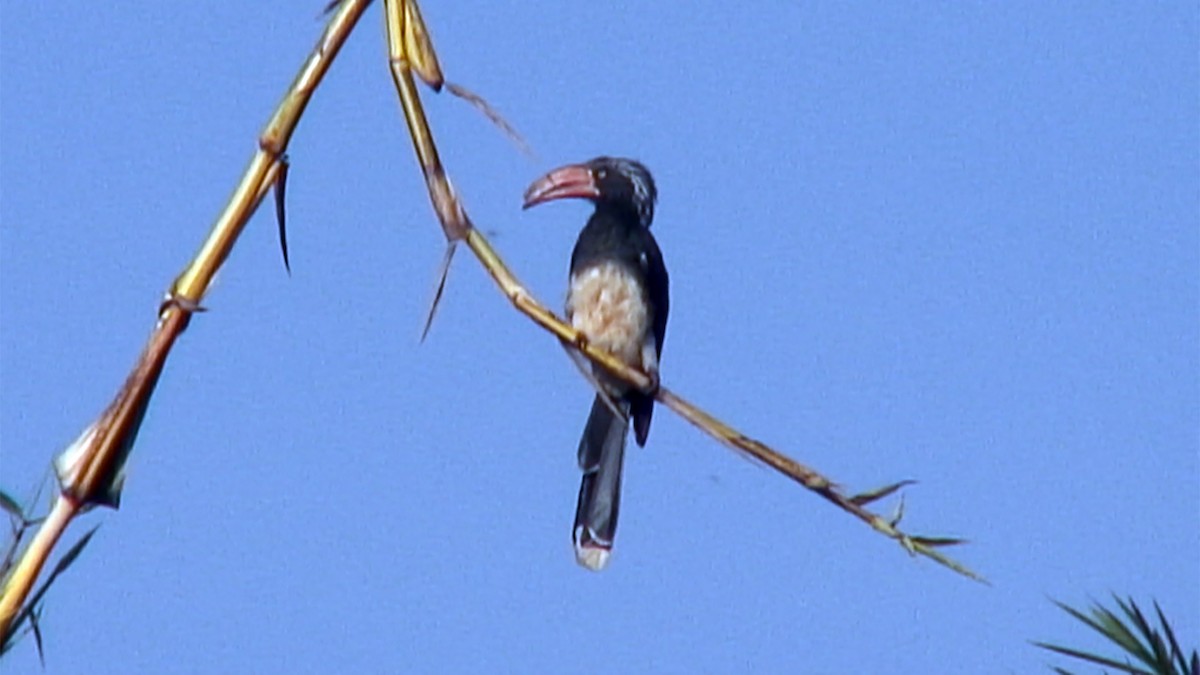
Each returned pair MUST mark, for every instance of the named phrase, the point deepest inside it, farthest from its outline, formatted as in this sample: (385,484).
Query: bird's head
(608,182)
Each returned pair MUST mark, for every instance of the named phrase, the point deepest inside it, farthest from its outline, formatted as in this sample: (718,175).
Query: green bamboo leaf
(9,504)
(72,553)
(898,515)
(62,565)
(1161,656)
(864,498)
(1162,621)
(1092,623)
(1180,658)
(35,627)
(1093,658)
(281,209)
(1118,632)
(938,541)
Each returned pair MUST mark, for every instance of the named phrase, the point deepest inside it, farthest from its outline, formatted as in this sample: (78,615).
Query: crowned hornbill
(618,300)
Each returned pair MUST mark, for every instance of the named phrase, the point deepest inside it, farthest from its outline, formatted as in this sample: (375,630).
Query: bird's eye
(601,174)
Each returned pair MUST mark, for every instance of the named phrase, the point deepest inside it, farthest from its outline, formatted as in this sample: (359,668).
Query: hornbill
(618,299)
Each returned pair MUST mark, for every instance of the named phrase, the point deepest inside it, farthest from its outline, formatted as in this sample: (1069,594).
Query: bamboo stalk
(90,471)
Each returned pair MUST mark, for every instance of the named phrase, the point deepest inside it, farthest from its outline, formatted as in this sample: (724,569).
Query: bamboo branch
(410,49)
(90,471)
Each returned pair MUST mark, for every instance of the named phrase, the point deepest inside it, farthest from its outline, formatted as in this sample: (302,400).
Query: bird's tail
(601,454)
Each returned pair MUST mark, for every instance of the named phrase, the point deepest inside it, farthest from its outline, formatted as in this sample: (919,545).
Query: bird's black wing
(657,285)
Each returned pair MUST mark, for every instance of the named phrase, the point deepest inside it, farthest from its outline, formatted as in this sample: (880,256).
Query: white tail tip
(592,557)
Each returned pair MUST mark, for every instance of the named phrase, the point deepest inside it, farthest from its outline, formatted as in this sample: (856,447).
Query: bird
(618,298)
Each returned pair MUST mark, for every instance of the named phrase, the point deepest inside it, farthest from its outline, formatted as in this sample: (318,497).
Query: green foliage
(1154,650)
(28,619)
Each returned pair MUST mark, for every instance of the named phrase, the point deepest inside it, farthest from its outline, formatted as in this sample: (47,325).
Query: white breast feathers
(606,303)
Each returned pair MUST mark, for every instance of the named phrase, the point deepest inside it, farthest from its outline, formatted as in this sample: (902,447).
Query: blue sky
(957,243)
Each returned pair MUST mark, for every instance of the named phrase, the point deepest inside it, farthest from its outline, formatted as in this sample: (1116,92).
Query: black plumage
(618,298)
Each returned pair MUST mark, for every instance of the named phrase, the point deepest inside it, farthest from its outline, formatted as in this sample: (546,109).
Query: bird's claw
(655,383)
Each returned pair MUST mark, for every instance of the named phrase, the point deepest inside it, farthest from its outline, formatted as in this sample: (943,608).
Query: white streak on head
(644,192)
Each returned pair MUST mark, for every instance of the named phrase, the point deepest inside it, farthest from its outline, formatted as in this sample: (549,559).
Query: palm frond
(1154,649)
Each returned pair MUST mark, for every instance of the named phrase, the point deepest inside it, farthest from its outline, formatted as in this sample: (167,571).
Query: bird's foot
(652,388)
